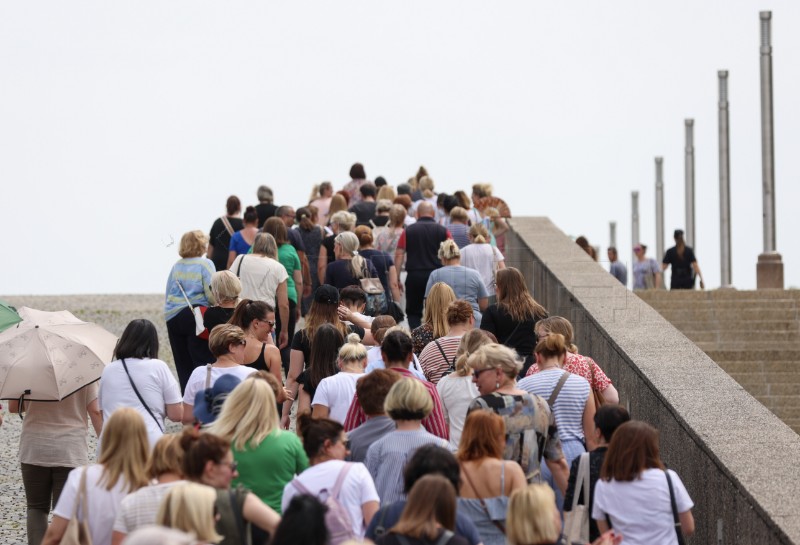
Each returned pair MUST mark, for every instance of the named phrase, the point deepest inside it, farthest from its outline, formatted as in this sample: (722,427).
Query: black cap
(327,295)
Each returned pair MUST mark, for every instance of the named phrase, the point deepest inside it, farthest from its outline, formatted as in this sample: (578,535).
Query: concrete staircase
(753,335)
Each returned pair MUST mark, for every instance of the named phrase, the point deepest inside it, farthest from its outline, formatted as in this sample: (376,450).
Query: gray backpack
(337,519)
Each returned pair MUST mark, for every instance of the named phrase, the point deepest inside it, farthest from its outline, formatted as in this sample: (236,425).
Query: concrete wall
(740,463)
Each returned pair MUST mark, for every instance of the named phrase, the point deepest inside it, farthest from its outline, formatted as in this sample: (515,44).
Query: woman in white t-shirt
(325,443)
(457,390)
(119,471)
(137,379)
(634,490)
(483,257)
(227,344)
(335,393)
(264,278)
(573,407)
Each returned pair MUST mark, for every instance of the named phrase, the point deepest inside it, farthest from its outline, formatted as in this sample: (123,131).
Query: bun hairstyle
(250,215)
(352,350)
(305,218)
(479,233)
(560,325)
(364,234)
(552,346)
(199,448)
(315,431)
(459,312)
(448,250)
(380,326)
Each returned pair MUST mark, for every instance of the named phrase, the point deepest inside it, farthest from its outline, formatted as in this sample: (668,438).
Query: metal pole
(612,234)
(634,219)
(724,182)
(659,207)
(689,174)
(767,136)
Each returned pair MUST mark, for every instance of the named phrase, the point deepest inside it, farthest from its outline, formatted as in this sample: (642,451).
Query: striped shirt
(433,362)
(435,422)
(570,403)
(194,274)
(387,457)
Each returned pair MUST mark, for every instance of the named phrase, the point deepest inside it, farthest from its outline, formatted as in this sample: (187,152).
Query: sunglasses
(232,465)
(477,372)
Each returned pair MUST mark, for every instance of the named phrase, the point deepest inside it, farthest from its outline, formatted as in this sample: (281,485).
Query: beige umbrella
(50,355)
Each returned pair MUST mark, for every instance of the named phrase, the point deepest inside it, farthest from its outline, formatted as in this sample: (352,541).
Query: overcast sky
(123,125)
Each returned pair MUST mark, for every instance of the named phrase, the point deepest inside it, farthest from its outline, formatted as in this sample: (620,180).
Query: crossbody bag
(141,399)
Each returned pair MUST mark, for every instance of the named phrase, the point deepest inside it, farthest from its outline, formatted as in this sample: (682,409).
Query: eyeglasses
(477,372)
(232,465)
(243,342)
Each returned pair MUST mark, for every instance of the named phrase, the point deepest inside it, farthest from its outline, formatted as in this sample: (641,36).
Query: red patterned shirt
(434,422)
(582,366)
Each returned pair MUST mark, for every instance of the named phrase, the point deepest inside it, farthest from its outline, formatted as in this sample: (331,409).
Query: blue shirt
(194,274)
(238,244)
(389,515)
(466,283)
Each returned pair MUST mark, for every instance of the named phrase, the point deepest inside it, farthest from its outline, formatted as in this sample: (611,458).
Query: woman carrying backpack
(346,488)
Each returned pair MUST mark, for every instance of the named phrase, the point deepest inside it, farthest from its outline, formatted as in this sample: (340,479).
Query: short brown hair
(193,244)
(222,336)
(167,457)
(459,312)
(483,437)
(403,200)
(275,227)
(373,388)
(380,326)
(199,448)
(633,448)
(233,205)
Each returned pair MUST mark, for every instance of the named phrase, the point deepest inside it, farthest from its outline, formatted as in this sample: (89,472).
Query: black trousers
(416,282)
(285,352)
(188,350)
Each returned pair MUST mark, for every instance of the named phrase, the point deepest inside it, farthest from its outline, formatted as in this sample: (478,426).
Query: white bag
(576,521)
(199,326)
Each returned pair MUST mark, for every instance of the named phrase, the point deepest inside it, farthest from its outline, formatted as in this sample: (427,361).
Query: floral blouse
(583,366)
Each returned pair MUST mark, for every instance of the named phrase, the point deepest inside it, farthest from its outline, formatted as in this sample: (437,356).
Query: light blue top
(466,283)
(194,274)
(497,508)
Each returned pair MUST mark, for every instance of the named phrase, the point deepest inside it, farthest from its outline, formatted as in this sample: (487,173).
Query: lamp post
(724,183)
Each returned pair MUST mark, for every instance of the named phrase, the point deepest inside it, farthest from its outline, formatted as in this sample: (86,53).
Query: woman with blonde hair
(350,267)
(191,507)
(457,390)
(407,403)
(531,432)
(340,222)
(514,317)
(434,316)
(570,398)
(386,237)
(249,420)
(226,289)
(429,515)
(335,393)
(188,285)
(165,470)
(483,257)
(465,203)
(321,197)
(120,470)
(466,283)
(583,366)
(487,479)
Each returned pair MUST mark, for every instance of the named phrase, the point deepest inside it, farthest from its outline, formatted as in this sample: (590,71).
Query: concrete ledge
(738,460)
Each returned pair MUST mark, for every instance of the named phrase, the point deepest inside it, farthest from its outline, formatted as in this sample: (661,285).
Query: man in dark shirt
(419,243)
(606,421)
(286,214)
(684,265)
(265,209)
(365,209)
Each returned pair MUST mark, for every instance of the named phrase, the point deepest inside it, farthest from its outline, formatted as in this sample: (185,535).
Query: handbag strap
(498,524)
(141,400)
(441,350)
(557,389)
(446,536)
(508,338)
(674,504)
(81,500)
(227,224)
(239,268)
(184,294)
(582,481)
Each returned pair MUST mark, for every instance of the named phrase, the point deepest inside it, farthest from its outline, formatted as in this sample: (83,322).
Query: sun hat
(208,402)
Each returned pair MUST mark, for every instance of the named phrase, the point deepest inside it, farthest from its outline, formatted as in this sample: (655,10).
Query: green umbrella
(8,316)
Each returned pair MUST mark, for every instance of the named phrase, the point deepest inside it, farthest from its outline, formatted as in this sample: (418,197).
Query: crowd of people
(474,426)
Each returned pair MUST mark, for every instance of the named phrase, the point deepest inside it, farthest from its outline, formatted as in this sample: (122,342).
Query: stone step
(767,367)
(726,336)
(709,314)
(716,295)
(774,378)
(781,411)
(736,323)
(776,304)
(745,344)
(748,354)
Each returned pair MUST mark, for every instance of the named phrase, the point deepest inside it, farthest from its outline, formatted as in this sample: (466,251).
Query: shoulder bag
(675,517)
(227,224)
(451,364)
(445,538)
(576,521)
(77,532)
(557,390)
(599,398)
(141,399)
(199,326)
(499,525)
(376,298)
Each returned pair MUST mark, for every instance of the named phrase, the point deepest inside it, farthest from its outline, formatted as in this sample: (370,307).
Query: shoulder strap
(581,481)
(380,528)
(441,350)
(208,376)
(402,539)
(238,515)
(301,487)
(508,338)
(141,400)
(184,296)
(227,224)
(81,498)
(675,516)
(340,480)
(446,536)
(557,389)
(239,268)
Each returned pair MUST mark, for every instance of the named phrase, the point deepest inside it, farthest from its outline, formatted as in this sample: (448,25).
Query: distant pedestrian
(646,273)
(684,265)
(222,230)
(364,209)
(265,208)
(321,199)
(242,240)
(466,283)
(586,247)
(358,178)
(617,269)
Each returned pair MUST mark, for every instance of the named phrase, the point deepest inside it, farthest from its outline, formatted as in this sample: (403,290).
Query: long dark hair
(680,244)
(324,353)
(303,521)
(248,310)
(139,340)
